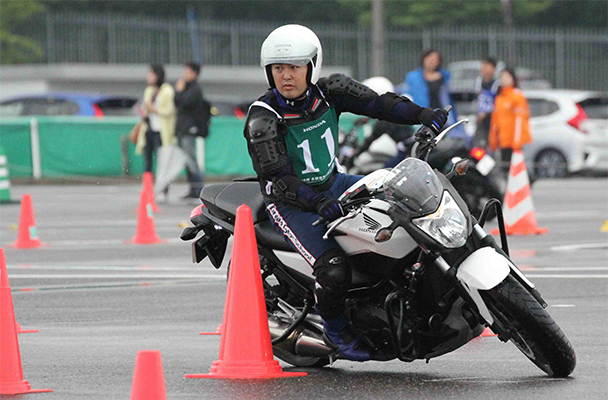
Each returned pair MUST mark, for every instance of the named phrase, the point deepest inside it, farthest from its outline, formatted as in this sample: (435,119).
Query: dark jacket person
(192,121)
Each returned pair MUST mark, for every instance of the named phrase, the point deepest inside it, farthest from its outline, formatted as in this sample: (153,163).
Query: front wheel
(531,328)
(550,163)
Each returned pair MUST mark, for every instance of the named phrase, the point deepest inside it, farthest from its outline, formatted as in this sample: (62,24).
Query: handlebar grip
(318,222)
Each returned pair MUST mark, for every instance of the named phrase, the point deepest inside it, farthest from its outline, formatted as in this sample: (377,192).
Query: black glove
(330,209)
(434,119)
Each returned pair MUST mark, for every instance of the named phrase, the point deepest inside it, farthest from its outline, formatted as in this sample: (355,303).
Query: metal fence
(568,58)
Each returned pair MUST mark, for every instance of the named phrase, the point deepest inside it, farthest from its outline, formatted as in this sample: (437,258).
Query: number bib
(312,148)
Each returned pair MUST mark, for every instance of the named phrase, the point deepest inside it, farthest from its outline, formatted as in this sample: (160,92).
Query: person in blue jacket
(428,86)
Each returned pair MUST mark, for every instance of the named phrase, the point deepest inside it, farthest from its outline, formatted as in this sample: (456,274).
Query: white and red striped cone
(518,208)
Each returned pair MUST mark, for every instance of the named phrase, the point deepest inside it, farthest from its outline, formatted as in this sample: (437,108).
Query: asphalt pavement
(96,300)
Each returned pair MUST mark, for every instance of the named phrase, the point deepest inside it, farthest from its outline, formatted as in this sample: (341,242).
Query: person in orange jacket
(509,127)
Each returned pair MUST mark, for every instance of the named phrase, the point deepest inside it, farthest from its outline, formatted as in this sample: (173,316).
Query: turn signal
(383,235)
(462,166)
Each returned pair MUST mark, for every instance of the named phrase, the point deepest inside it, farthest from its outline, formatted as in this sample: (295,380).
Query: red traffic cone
(245,348)
(27,237)
(148,188)
(11,372)
(21,330)
(146,233)
(218,331)
(4,282)
(148,377)
(518,207)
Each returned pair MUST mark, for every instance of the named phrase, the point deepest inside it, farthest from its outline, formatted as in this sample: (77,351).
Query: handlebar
(318,222)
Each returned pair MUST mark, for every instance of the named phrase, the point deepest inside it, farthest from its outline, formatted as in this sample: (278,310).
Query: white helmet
(292,44)
(379,84)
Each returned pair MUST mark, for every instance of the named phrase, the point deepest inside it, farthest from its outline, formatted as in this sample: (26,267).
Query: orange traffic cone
(148,188)
(518,207)
(487,333)
(148,378)
(245,348)
(218,331)
(27,237)
(11,372)
(146,233)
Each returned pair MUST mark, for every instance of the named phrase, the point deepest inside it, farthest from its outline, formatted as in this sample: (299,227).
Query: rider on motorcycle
(291,134)
(401,134)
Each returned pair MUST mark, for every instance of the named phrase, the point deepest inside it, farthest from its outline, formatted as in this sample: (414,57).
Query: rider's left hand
(330,209)
(434,119)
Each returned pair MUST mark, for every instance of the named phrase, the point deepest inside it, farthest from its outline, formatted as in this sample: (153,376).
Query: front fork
(472,295)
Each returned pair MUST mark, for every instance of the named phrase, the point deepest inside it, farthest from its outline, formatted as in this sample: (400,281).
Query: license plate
(485,165)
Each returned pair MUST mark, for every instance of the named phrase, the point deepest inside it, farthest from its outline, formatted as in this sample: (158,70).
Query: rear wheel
(532,329)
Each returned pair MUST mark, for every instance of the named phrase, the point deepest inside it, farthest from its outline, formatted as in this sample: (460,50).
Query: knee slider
(332,271)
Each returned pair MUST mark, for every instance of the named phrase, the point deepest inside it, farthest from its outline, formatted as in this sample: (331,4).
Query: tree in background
(15,48)
(427,13)
(401,13)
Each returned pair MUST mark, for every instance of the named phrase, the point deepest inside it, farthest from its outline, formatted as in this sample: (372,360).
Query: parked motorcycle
(427,278)
(478,186)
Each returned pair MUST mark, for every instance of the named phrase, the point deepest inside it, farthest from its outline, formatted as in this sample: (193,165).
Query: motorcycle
(426,277)
(478,186)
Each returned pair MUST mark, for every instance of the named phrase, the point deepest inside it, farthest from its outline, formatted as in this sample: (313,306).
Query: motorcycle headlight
(447,225)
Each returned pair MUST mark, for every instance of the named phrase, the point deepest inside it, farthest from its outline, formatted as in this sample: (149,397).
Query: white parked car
(569,130)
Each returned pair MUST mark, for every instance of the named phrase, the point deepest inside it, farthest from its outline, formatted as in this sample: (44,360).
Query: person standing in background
(428,86)
(486,88)
(158,110)
(509,127)
(193,117)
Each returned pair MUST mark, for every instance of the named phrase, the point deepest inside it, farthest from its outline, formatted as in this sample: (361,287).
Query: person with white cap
(292,138)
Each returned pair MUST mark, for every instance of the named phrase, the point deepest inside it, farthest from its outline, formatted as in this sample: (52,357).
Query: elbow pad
(344,85)
(268,153)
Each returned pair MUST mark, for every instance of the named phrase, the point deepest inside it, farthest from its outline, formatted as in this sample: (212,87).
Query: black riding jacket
(265,131)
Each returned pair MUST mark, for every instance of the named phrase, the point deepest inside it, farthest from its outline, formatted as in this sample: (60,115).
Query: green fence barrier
(15,139)
(93,146)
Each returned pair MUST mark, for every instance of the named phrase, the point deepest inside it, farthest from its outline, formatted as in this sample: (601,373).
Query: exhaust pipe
(302,342)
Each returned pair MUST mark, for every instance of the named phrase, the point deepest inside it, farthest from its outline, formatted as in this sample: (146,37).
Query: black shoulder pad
(267,150)
(340,84)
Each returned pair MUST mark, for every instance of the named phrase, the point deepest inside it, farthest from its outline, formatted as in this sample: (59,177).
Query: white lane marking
(489,380)
(569,214)
(571,247)
(107,223)
(102,242)
(562,305)
(572,276)
(141,268)
(116,276)
(561,269)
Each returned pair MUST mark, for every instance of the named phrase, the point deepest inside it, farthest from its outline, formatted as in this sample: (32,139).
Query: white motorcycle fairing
(483,270)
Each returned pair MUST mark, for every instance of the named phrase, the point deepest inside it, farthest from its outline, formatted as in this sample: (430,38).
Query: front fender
(484,269)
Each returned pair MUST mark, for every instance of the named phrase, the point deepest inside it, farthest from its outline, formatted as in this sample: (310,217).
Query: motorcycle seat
(268,236)
(223,199)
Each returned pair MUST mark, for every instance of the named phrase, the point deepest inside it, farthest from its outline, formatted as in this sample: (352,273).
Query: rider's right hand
(330,209)
(434,119)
